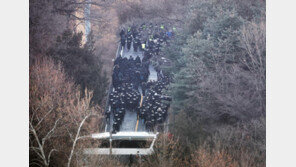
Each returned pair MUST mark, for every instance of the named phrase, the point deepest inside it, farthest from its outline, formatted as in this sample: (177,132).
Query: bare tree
(57,111)
(40,150)
(253,40)
(78,137)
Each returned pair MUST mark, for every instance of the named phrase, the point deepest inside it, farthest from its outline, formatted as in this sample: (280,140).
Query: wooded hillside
(218,67)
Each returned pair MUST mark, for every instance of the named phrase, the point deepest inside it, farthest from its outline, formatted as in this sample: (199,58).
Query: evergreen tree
(219,74)
(80,62)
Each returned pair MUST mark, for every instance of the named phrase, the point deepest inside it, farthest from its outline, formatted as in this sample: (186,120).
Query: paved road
(130,117)
(153,74)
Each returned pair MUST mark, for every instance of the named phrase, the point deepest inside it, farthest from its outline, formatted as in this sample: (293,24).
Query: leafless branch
(48,135)
(76,138)
(42,155)
(51,151)
(43,117)
(84,137)
(70,134)
(35,163)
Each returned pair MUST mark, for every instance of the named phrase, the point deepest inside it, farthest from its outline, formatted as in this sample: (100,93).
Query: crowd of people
(155,106)
(130,71)
(146,37)
(130,78)
(122,98)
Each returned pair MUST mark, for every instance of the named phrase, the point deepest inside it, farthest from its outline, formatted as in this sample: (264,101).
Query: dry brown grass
(207,158)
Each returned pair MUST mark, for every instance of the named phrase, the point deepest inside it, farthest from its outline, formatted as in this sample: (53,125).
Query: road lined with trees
(217,60)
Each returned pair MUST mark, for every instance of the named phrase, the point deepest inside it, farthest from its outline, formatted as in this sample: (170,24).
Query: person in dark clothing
(129,38)
(117,60)
(122,32)
(129,41)
(122,38)
(122,41)
(138,60)
(136,43)
(137,79)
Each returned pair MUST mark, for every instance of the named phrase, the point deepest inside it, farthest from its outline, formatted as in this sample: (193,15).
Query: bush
(168,152)
(208,158)
(56,111)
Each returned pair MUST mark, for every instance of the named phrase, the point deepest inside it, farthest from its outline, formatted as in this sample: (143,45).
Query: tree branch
(51,151)
(42,156)
(48,135)
(76,138)
(44,117)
